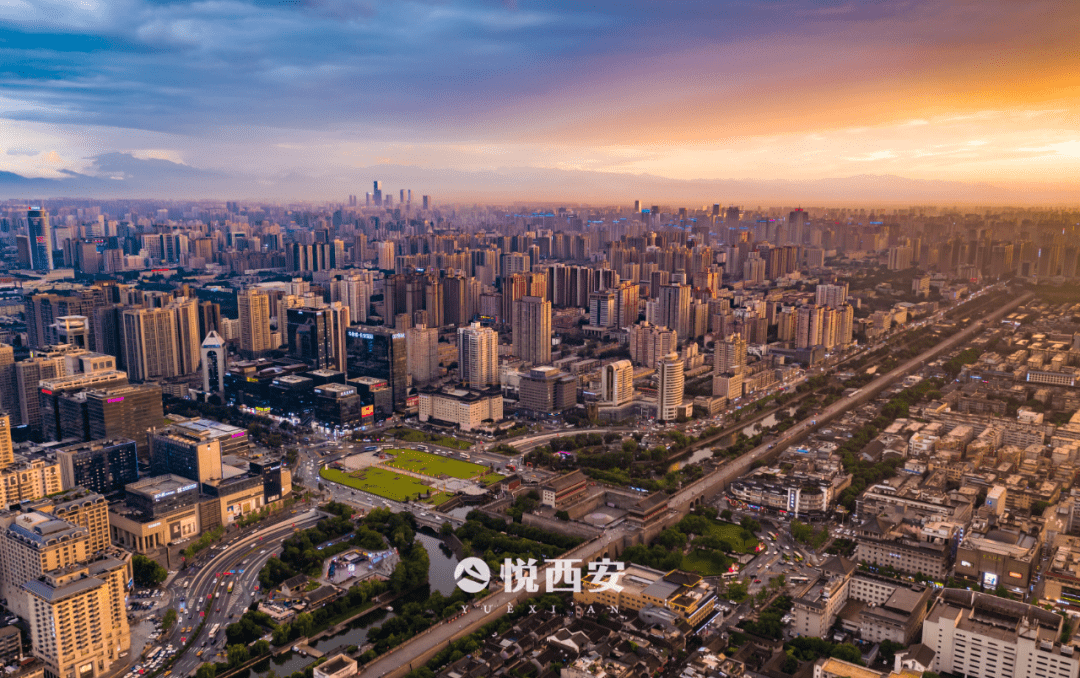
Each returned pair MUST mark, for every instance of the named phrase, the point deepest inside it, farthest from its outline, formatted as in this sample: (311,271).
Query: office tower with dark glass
(381,353)
(37,226)
(103,466)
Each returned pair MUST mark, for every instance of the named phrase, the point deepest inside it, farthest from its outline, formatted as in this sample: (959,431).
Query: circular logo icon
(476,573)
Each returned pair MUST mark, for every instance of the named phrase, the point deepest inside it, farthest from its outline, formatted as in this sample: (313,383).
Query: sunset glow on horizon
(259,95)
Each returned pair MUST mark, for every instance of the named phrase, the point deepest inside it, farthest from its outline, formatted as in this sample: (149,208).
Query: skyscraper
(377,192)
(422,343)
(254,307)
(669,391)
(40,237)
(151,346)
(386,255)
(7,454)
(675,309)
(478,356)
(808,326)
(317,335)
(531,330)
(214,357)
(381,353)
(9,396)
(187,333)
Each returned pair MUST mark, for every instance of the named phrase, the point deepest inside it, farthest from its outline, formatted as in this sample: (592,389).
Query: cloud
(22,151)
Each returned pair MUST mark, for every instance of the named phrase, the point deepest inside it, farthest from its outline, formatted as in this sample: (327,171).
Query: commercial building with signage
(1001,556)
(338,404)
(158,511)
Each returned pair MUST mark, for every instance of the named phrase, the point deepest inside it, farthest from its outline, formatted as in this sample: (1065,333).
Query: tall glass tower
(37,221)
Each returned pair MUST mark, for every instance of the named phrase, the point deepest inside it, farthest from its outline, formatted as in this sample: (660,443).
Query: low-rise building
(999,556)
(912,546)
(563,490)
(983,636)
(664,598)
(466,408)
(876,608)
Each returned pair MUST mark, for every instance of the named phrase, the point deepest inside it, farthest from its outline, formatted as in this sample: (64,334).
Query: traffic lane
(228,559)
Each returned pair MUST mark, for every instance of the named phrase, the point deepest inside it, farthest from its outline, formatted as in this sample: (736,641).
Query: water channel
(440,578)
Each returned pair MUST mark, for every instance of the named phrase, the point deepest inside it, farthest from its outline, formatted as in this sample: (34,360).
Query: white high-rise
(214,355)
(617,382)
(669,391)
(478,356)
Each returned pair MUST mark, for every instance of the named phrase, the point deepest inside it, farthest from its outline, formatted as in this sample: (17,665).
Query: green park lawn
(381,482)
(706,563)
(433,465)
(734,535)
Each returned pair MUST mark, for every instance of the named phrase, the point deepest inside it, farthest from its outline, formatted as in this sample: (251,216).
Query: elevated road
(719,479)
(204,591)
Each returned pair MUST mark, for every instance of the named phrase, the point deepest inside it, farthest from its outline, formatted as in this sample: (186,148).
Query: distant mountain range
(122,175)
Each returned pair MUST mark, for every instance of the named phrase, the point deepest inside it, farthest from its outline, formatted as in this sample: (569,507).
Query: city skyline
(811,102)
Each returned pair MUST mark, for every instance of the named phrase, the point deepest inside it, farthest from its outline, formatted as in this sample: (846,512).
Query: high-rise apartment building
(151,344)
(254,307)
(9,396)
(7,454)
(387,255)
(478,356)
(531,330)
(78,618)
(617,382)
(40,238)
(669,388)
(422,344)
(832,296)
(649,343)
(674,309)
(730,355)
(809,323)
(188,337)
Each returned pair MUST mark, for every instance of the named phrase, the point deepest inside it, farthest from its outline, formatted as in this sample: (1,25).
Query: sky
(297,98)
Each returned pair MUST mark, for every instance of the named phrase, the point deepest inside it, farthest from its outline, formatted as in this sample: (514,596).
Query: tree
(446,529)
(237,655)
(725,514)
(169,619)
(206,671)
(147,572)
(562,515)
(303,624)
(737,591)
(260,647)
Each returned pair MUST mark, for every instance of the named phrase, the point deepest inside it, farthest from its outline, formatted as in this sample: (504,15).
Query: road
(797,432)
(203,592)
